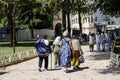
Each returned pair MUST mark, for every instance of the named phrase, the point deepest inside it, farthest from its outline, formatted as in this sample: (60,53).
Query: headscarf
(65,33)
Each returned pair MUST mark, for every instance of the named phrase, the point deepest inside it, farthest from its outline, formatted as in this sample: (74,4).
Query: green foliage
(2,14)
(31,13)
(109,7)
(79,5)
(25,12)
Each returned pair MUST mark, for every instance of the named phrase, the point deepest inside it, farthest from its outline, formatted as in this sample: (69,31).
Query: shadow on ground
(109,70)
(1,73)
(81,68)
(100,56)
(54,69)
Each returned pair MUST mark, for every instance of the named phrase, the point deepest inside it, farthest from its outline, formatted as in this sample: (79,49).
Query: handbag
(81,58)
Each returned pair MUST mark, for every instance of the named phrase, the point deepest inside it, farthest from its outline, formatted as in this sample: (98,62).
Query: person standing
(76,53)
(43,49)
(91,42)
(65,51)
(109,40)
(103,41)
(98,39)
(56,49)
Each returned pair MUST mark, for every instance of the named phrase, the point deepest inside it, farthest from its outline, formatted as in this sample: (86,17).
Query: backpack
(41,48)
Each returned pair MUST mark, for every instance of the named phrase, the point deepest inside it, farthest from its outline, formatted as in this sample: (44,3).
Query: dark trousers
(41,61)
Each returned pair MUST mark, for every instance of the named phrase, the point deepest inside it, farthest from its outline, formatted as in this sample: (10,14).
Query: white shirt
(57,40)
(98,39)
(75,44)
(46,42)
(91,40)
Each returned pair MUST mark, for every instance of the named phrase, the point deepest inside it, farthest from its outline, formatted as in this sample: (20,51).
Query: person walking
(43,49)
(65,51)
(98,39)
(103,41)
(76,53)
(109,40)
(56,49)
(91,42)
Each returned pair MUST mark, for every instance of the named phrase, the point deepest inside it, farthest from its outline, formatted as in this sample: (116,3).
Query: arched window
(86,19)
(91,19)
(96,19)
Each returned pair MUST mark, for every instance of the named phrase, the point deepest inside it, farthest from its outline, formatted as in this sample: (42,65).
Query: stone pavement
(94,68)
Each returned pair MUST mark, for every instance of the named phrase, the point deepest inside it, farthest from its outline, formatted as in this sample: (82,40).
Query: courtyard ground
(96,67)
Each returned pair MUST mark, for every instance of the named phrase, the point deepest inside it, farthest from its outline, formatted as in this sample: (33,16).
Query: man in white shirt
(98,39)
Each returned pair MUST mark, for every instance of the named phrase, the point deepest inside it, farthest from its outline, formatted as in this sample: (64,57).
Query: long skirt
(65,57)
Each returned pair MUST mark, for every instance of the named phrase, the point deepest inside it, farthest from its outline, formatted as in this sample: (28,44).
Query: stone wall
(26,33)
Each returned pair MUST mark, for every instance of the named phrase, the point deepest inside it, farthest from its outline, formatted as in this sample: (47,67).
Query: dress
(65,57)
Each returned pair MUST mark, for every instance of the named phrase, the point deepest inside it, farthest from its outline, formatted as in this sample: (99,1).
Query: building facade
(95,22)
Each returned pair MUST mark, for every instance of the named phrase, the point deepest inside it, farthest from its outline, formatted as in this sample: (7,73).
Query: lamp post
(13,17)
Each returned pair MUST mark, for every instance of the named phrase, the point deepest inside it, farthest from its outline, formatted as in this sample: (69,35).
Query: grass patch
(5,47)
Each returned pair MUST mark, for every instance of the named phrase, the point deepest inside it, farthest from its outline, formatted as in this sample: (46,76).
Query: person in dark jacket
(43,49)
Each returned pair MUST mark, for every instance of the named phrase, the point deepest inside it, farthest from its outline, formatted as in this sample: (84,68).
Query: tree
(28,14)
(2,13)
(66,6)
(36,14)
(68,10)
(109,7)
(81,8)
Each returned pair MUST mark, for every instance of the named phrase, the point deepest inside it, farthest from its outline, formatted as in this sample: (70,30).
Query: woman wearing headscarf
(56,48)
(65,51)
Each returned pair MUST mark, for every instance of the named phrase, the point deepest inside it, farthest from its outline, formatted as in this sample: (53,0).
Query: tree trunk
(9,12)
(11,24)
(80,24)
(32,32)
(63,17)
(68,21)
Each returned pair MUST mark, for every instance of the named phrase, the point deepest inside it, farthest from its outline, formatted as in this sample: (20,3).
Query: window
(96,19)
(91,19)
(108,22)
